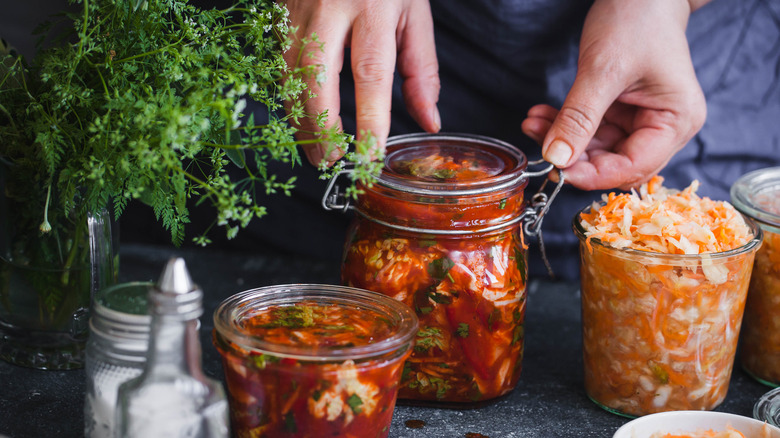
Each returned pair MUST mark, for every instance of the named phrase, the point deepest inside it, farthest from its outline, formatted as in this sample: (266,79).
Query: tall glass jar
(757,194)
(47,281)
(116,351)
(660,330)
(441,231)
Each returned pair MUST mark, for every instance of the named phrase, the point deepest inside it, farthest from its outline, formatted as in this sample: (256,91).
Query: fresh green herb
(343,328)
(260,361)
(425,384)
(429,337)
(463,330)
(475,394)
(439,268)
(426,243)
(517,315)
(316,395)
(148,103)
(661,374)
(493,319)
(502,204)
(444,173)
(355,402)
(517,334)
(440,298)
(295,317)
(425,310)
(519,257)
(289,423)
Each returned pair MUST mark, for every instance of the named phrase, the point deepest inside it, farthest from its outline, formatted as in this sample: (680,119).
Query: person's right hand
(379,33)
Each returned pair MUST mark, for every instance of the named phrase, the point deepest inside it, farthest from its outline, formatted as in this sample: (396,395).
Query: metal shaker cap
(175,294)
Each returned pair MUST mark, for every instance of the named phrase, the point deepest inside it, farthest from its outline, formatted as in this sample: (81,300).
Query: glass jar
(115,352)
(660,330)
(306,360)
(757,194)
(441,232)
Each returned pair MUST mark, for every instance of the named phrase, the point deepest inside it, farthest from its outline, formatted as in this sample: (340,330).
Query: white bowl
(691,422)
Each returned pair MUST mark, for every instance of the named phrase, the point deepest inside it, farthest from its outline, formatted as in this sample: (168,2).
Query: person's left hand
(634,103)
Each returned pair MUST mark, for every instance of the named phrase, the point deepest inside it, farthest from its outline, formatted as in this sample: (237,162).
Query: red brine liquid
(324,392)
(455,254)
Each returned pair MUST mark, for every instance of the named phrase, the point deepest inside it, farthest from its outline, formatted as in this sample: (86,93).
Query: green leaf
(289,423)
(355,402)
(463,330)
(439,268)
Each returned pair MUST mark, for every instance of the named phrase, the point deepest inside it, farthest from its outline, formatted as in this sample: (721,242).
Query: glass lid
(451,164)
(757,194)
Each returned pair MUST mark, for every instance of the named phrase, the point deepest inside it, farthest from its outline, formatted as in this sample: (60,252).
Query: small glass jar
(442,231)
(660,330)
(306,360)
(757,195)
(115,352)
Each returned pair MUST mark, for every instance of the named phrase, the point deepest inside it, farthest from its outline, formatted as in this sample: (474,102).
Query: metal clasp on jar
(334,199)
(531,217)
(540,203)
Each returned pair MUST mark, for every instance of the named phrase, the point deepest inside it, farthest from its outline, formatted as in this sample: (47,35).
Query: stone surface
(549,400)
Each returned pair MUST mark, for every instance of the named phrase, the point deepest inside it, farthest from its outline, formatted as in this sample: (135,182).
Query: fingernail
(558,153)
(436,119)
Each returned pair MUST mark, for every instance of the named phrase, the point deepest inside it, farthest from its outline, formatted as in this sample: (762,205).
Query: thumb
(579,118)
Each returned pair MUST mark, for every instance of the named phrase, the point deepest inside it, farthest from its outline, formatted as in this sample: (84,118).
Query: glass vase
(47,280)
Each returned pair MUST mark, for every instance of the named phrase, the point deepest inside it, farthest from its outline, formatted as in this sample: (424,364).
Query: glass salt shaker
(172,397)
(116,351)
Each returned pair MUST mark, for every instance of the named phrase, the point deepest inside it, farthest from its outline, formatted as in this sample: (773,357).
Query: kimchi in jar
(312,360)
(441,232)
(757,194)
(664,277)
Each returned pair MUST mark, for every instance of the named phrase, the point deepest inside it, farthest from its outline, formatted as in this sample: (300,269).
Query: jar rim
(666,258)
(512,174)
(243,303)
(105,310)
(747,190)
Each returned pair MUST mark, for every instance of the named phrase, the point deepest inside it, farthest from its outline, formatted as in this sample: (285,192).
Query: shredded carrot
(760,348)
(664,220)
(660,332)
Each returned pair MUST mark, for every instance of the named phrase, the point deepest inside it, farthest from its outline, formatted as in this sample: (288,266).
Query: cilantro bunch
(144,99)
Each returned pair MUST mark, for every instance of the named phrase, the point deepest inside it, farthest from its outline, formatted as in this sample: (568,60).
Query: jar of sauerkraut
(308,360)
(664,277)
(442,231)
(757,194)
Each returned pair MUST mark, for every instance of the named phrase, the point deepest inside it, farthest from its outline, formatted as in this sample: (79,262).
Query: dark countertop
(549,400)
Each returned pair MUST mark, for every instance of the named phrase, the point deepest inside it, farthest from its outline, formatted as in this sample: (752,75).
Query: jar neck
(472,214)
(174,347)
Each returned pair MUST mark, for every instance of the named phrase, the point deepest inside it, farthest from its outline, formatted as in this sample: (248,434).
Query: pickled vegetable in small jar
(305,360)
(757,194)
(664,278)
(441,232)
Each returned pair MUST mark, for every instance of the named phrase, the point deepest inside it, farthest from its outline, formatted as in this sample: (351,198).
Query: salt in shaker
(172,397)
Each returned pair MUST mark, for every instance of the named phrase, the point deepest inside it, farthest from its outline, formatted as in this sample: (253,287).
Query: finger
(536,128)
(628,165)
(373,62)
(419,67)
(328,59)
(580,116)
(538,122)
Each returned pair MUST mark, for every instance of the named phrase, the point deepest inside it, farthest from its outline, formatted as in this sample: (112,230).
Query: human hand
(634,103)
(380,34)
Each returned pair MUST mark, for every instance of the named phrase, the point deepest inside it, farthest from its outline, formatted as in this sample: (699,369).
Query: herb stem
(83,29)
(153,52)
